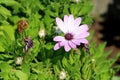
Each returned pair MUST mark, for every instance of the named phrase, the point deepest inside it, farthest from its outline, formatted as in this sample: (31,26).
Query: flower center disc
(68,36)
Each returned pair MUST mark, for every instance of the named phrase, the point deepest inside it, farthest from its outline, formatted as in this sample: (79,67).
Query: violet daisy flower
(75,33)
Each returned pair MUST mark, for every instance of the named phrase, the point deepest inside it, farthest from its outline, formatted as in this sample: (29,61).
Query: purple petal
(71,44)
(83,28)
(77,22)
(76,41)
(26,48)
(62,43)
(82,35)
(61,25)
(58,38)
(65,19)
(71,18)
(66,46)
(57,46)
(84,41)
(70,23)
(76,30)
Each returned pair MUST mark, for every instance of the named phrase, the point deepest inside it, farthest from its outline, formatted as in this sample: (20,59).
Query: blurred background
(106,25)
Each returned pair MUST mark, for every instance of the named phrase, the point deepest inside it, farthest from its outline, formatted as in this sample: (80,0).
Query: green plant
(41,62)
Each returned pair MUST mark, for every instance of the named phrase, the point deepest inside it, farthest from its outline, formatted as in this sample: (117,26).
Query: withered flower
(28,44)
(22,25)
(85,46)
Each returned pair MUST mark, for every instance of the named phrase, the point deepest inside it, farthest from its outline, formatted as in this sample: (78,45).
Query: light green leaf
(1,48)
(5,67)
(21,75)
(33,77)
(116,78)
(5,70)
(64,62)
(4,12)
(75,8)
(26,69)
(8,32)
(86,9)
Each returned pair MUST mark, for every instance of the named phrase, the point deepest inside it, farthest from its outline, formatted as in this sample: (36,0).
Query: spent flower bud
(41,33)
(62,75)
(19,60)
(28,44)
(22,25)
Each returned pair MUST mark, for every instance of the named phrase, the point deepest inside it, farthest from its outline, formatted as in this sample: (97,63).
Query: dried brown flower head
(22,25)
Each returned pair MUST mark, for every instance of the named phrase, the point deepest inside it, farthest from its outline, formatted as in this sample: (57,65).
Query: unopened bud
(19,60)
(93,60)
(62,75)
(41,33)
(76,1)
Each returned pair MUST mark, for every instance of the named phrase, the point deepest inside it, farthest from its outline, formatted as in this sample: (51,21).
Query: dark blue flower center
(68,36)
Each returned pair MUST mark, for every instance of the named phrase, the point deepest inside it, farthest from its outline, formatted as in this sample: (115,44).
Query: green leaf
(47,19)
(114,58)
(4,12)
(42,76)
(26,69)
(103,67)
(75,8)
(5,67)
(21,75)
(14,19)
(33,77)
(8,32)
(87,20)
(56,69)
(64,62)
(4,75)
(71,59)
(86,9)
(10,3)
(65,9)
(116,78)
(5,70)
(100,50)
(1,48)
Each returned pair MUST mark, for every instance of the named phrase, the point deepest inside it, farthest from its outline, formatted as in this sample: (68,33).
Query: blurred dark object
(111,24)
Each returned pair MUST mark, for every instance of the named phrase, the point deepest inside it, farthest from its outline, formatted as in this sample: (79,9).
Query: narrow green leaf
(21,75)
(4,12)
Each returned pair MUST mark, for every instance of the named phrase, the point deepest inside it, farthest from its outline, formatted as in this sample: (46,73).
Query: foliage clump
(26,55)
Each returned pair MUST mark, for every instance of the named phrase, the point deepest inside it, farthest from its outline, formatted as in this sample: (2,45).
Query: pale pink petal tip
(71,17)
(65,19)
(59,22)
(67,47)
(84,41)
(57,46)
(84,27)
(58,38)
(78,21)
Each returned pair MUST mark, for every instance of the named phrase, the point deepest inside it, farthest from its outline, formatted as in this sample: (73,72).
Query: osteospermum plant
(74,33)
(49,40)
